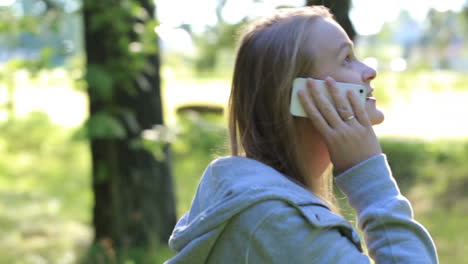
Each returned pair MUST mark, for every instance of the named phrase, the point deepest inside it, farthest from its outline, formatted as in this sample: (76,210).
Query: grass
(450,233)
(45,199)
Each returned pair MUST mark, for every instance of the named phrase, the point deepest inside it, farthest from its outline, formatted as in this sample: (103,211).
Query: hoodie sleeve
(391,234)
(384,215)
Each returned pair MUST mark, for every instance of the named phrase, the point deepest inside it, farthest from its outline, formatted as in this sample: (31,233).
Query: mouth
(370,95)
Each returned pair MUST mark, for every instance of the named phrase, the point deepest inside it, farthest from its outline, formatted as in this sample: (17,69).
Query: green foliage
(439,167)
(45,196)
(13,31)
(200,139)
(101,82)
(104,125)
(104,253)
(406,157)
(200,134)
(213,43)
(157,141)
(449,230)
(126,33)
(13,24)
(33,149)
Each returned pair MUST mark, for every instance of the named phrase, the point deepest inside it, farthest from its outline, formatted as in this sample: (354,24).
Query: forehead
(327,36)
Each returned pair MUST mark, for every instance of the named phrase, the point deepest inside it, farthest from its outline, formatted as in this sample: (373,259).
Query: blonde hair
(272,52)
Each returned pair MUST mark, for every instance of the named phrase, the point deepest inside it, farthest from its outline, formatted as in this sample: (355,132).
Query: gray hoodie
(246,212)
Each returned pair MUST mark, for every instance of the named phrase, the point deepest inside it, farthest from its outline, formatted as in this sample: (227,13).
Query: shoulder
(276,231)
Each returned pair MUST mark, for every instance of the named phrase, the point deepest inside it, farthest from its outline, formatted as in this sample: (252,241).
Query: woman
(271,201)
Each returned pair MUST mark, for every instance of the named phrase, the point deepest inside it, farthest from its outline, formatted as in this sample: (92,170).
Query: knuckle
(328,110)
(343,109)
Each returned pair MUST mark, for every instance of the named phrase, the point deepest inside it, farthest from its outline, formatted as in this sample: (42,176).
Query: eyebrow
(343,45)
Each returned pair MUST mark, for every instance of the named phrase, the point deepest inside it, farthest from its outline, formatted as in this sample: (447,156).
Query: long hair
(272,52)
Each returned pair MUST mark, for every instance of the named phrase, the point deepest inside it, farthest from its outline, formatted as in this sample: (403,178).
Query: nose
(368,73)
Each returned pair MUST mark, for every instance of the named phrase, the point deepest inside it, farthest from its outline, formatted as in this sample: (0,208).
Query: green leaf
(103,125)
(130,119)
(100,82)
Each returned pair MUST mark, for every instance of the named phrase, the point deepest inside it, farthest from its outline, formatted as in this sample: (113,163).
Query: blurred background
(110,110)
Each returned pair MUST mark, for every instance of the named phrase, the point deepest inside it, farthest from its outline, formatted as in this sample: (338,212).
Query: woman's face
(334,55)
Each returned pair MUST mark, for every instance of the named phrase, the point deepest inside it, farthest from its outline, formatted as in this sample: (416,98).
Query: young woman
(271,201)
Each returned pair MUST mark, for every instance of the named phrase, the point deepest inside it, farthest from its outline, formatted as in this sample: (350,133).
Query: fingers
(359,111)
(342,105)
(312,112)
(324,105)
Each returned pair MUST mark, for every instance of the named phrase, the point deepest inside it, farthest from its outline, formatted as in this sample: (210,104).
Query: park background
(47,182)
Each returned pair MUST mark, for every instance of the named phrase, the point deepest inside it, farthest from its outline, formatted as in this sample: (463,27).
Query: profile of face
(334,57)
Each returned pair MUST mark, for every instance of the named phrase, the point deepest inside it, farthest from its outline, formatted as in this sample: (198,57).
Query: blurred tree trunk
(340,8)
(133,191)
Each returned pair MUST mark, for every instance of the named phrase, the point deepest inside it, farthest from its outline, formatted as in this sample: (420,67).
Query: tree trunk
(133,191)
(339,8)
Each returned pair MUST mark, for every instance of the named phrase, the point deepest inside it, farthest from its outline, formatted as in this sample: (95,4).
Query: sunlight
(177,94)
(196,13)
(398,64)
(422,113)
(7,2)
(371,62)
(53,94)
(175,39)
(428,115)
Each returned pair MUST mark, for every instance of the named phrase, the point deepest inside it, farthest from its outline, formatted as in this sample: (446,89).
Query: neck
(313,149)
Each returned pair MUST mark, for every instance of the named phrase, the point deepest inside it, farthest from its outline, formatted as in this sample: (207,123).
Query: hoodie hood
(229,185)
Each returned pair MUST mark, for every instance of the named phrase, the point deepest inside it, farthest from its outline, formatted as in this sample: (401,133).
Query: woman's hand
(346,129)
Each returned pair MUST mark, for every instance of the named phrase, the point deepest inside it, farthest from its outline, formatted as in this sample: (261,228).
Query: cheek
(347,75)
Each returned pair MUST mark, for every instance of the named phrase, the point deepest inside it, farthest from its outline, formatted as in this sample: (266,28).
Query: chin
(376,117)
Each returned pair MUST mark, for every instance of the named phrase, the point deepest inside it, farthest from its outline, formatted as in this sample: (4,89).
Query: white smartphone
(296,108)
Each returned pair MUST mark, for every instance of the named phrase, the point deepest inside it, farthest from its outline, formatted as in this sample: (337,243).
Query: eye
(347,60)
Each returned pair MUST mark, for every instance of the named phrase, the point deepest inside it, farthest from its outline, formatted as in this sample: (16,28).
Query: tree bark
(339,8)
(133,191)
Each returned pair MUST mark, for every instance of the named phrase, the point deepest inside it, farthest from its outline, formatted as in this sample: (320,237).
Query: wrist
(368,182)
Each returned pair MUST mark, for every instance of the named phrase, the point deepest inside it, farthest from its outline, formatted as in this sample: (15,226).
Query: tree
(134,204)
(216,39)
(340,8)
